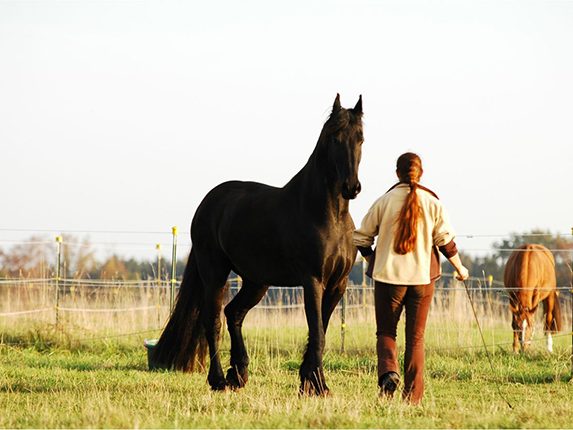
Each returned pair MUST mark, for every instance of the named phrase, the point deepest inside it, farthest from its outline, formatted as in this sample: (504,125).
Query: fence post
(571,290)
(158,248)
(342,321)
(58,276)
(158,289)
(173,268)
(364,282)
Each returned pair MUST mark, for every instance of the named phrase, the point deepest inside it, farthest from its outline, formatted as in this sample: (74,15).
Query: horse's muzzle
(350,192)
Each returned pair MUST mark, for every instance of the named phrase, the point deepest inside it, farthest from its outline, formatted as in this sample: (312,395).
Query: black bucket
(149,346)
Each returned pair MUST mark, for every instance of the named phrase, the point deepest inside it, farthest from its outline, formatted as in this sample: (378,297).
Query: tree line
(493,263)
(36,258)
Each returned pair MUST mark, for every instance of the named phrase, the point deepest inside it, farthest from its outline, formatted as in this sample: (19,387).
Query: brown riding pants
(389,302)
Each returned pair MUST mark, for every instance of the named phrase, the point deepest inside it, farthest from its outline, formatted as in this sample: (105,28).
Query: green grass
(105,383)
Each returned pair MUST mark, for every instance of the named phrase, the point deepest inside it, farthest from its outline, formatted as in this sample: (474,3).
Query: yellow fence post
(158,289)
(363,282)
(59,241)
(342,321)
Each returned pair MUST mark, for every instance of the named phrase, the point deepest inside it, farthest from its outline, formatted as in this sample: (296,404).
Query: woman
(411,224)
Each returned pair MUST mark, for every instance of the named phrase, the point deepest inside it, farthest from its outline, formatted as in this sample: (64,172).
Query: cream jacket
(434,229)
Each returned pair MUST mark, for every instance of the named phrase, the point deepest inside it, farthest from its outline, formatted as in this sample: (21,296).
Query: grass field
(52,382)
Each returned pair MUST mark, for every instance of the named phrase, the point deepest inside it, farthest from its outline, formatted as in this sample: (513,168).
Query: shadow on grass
(24,388)
(336,363)
(87,367)
(62,359)
(537,379)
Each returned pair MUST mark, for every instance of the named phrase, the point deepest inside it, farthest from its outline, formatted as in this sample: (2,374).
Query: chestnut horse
(530,278)
(300,234)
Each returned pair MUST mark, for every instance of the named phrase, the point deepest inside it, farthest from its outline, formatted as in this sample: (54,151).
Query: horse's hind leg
(330,299)
(248,296)
(214,275)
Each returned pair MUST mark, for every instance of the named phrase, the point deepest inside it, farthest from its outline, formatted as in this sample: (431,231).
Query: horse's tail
(182,345)
(556,324)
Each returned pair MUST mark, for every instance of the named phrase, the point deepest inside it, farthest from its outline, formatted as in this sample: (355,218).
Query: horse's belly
(269,271)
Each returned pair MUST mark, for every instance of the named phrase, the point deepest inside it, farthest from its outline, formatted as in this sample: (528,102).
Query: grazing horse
(300,234)
(530,278)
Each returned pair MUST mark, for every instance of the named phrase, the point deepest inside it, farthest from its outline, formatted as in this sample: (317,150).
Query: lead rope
(484,344)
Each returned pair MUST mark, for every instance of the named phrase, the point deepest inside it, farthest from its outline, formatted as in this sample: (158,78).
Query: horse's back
(530,266)
(221,204)
(228,193)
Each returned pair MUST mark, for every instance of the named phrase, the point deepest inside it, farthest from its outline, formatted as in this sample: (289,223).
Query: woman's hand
(369,259)
(370,264)
(462,273)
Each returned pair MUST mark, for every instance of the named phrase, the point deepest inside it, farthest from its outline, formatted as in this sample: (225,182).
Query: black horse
(300,234)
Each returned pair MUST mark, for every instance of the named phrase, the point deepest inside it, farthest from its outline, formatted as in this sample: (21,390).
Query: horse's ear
(358,108)
(336,105)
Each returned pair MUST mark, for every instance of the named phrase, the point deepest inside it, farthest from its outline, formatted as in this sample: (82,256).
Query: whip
(484,344)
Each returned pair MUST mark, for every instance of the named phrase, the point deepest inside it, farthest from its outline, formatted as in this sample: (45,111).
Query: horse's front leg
(548,307)
(516,334)
(311,372)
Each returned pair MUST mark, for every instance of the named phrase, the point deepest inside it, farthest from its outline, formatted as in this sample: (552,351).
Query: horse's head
(522,323)
(341,140)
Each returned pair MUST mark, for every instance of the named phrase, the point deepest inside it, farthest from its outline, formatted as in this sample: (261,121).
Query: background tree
(36,258)
(31,259)
(114,268)
(78,257)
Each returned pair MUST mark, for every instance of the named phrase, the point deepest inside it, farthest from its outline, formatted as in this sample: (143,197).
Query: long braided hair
(409,170)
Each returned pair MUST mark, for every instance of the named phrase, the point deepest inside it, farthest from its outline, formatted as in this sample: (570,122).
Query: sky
(121,116)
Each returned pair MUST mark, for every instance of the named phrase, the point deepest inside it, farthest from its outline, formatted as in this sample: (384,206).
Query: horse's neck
(315,194)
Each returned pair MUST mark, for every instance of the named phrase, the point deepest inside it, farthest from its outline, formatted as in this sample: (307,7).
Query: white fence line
(483,285)
(19,313)
(291,299)
(108,310)
(10,281)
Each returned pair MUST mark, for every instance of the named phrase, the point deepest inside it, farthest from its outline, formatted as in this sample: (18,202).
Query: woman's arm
(450,251)
(463,273)
(444,238)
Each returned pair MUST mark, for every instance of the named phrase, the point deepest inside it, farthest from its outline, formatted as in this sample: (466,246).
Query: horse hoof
(388,383)
(236,380)
(217,384)
(311,388)
(312,392)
